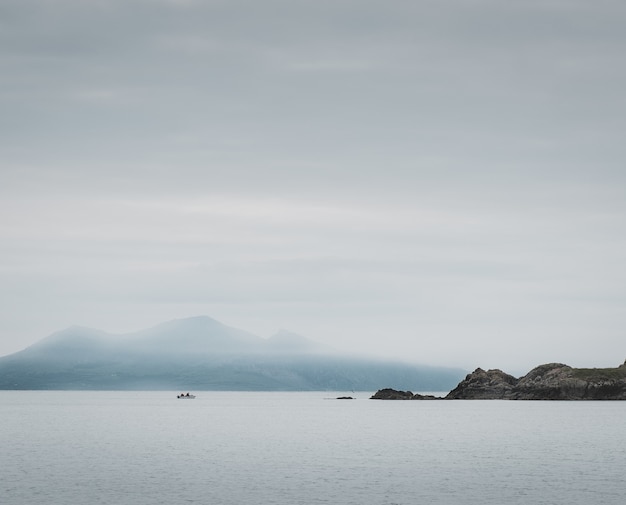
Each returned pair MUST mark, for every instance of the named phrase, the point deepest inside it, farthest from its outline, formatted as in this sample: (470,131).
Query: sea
(236,448)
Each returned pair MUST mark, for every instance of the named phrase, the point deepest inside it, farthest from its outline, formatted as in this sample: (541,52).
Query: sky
(438,181)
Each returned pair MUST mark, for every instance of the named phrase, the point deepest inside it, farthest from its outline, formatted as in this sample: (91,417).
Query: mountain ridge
(203,353)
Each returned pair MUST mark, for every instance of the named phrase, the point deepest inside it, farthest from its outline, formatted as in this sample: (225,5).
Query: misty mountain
(196,335)
(287,342)
(200,353)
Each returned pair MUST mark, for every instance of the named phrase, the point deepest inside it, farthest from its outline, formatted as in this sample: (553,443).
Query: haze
(438,181)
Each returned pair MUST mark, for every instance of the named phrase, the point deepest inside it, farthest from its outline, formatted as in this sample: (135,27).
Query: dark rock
(556,381)
(392,394)
(417,396)
(345,398)
(552,381)
(481,385)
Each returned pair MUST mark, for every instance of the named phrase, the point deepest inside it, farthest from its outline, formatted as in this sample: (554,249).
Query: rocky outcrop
(483,385)
(553,381)
(556,381)
(392,394)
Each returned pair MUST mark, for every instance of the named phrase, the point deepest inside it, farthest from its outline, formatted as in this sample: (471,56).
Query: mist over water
(138,448)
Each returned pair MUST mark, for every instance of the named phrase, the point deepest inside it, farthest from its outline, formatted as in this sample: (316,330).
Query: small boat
(186,397)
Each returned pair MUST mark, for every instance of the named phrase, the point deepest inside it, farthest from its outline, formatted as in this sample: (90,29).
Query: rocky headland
(552,381)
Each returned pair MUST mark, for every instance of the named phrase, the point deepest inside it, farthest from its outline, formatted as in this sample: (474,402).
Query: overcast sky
(442,181)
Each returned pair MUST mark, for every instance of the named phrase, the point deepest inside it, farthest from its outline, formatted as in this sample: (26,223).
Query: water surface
(62,448)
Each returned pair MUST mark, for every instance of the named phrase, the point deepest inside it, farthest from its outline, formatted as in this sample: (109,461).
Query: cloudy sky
(442,181)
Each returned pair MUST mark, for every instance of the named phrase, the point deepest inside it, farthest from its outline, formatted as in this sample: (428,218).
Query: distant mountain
(200,353)
(201,334)
(288,342)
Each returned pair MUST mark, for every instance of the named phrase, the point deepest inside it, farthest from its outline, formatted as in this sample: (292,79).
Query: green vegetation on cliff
(600,373)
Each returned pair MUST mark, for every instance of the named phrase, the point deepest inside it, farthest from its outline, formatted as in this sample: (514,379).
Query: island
(202,354)
(392,394)
(552,381)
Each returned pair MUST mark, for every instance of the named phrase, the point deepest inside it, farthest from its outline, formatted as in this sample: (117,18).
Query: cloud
(443,177)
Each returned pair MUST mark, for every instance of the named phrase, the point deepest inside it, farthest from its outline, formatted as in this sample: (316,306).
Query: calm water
(299,448)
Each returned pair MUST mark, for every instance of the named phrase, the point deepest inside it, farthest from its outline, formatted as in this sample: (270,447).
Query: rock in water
(484,385)
(556,381)
(553,381)
(392,394)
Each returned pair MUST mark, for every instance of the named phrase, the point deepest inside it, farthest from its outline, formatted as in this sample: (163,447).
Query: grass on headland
(600,373)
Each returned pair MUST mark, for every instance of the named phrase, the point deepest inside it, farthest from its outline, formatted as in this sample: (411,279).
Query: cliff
(484,385)
(552,381)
